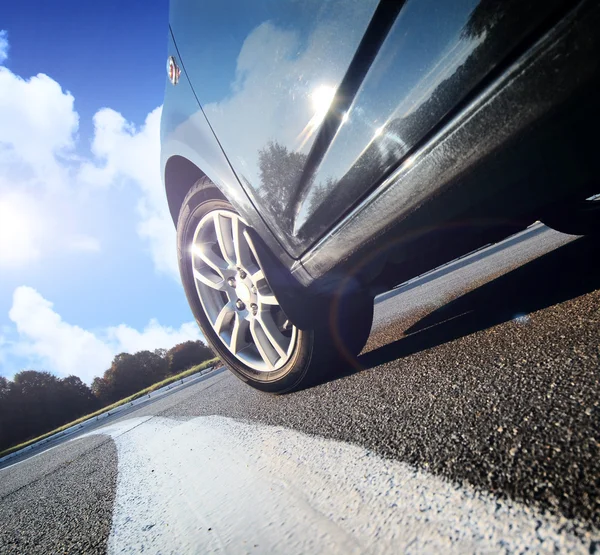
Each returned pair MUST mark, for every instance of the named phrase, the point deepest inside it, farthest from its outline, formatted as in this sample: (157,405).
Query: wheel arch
(180,177)
(303,305)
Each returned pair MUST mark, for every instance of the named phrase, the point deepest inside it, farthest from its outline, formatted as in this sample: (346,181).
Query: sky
(87,246)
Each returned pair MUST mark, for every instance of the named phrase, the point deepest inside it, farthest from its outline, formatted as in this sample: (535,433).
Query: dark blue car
(317,152)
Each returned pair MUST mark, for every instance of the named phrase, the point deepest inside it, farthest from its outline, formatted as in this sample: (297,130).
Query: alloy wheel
(238,302)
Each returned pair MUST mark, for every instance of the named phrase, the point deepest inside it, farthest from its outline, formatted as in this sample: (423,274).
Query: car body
(378,140)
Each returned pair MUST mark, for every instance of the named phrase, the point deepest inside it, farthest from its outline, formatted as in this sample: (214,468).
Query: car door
(315,102)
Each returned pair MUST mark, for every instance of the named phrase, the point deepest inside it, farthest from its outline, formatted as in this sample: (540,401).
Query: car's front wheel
(227,288)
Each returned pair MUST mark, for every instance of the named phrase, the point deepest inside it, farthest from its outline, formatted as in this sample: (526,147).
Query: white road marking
(214,484)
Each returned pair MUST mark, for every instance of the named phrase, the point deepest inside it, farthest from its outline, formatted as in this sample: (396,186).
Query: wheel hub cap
(243,292)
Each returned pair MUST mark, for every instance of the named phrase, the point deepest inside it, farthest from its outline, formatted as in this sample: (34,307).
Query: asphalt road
(477,399)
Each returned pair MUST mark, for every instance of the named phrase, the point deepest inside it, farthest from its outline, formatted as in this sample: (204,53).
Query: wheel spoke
(240,242)
(265,295)
(224,317)
(219,285)
(206,253)
(265,349)
(268,299)
(238,334)
(259,276)
(275,337)
(251,247)
(224,233)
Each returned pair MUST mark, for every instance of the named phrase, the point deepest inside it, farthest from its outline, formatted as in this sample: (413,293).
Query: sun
(321,99)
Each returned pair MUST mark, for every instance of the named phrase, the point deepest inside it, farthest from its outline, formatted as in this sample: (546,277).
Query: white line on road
(214,484)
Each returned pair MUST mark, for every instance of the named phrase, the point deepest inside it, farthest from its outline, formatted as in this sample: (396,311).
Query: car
(317,152)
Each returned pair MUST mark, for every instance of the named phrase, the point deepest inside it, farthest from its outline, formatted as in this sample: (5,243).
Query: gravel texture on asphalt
(487,375)
(61,501)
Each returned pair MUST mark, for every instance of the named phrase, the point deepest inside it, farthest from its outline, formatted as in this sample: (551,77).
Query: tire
(227,289)
(576,217)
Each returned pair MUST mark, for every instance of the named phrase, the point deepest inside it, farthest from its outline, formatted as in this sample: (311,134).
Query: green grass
(154,387)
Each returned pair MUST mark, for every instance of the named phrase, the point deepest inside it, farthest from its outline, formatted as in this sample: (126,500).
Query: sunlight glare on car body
(321,99)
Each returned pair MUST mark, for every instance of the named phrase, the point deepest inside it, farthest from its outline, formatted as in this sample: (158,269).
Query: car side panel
(265,85)
(186,137)
(262,72)
(528,140)
(437,56)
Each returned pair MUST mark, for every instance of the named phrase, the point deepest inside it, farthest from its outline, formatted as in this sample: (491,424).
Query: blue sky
(87,255)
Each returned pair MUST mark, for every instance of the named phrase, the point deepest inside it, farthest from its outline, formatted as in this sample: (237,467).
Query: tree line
(34,402)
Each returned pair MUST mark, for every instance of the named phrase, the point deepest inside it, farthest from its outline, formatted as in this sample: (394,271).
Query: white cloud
(38,130)
(123,152)
(3,46)
(19,230)
(64,348)
(84,243)
(153,336)
(38,137)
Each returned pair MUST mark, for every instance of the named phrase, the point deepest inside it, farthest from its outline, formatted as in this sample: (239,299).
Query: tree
(9,413)
(187,354)
(39,393)
(37,402)
(102,390)
(129,374)
(77,397)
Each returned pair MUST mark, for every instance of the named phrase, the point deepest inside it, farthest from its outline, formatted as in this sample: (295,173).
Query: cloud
(37,135)
(84,243)
(153,336)
(37,141)
(38,158)
(64,348)
(124,153)
(3,46)
(19,230)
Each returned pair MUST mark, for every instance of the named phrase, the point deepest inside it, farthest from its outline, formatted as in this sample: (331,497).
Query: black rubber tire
(577,217)
(320,352)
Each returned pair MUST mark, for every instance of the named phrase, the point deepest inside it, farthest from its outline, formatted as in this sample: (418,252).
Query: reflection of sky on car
(407,70)
(287,65)
(280,88)
(256,84)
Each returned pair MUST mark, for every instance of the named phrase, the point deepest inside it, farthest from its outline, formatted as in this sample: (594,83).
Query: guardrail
(110,412)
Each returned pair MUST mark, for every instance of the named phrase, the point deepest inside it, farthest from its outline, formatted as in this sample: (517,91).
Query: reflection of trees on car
(490,19)
(280,172)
